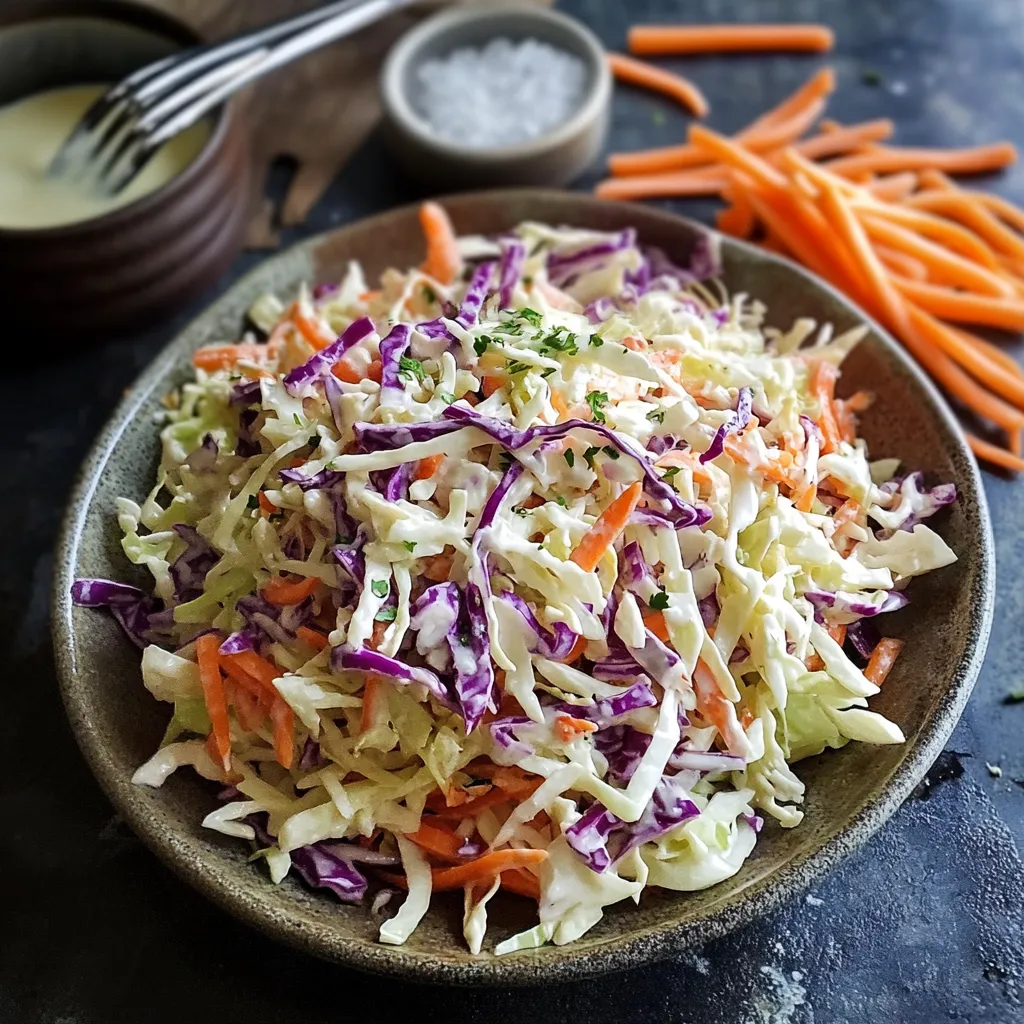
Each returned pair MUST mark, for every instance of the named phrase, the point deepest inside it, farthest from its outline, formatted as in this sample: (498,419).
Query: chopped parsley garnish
(612,453)
(869,76)
(670,472)
(409,545)
(446,396)
(590,453)
(480,344)
(380,588)
(386,614)
(517,367)
(659,601)
(412,368)
(656,415)
(596,340)
(597,400)
(547,373)
(1015,696)
(253,502)
(528,280)
(556,343)
(520,511)
(429,294)
(570,457)
(531,316)
(296,419)
(561,501)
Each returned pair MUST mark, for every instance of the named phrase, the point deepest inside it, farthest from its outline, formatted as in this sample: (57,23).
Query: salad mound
(536,567)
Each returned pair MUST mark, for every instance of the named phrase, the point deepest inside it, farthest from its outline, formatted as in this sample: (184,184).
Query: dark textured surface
(850,792)
(922,925)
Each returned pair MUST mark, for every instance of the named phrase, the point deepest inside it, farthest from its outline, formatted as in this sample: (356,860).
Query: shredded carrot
(886,159)
(882,659)
(345,371)
(822,384)
(438,840)
(443,261)
(279,591)
(224,357)
(521,882)
(313,637)
(837,632)
(603,534)
(247,707)
(487,866)
(213,695)
(655,622)
(283,721)
(493,799)
(638,72)
(490,383)
(438,568)
(251,664)
(308,328)
(568,728)
(427,467)
(266,504)
(576,652)
(685,39)
(994,454)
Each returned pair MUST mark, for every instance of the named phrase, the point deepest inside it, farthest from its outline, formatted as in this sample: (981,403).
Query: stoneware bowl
(850,792)
(554,158)
(141,261)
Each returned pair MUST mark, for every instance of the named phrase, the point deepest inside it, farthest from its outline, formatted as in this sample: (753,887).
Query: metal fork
(119,134)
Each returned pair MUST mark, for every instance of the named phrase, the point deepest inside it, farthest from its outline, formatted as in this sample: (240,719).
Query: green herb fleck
(409,545)
(296,419)
(517,367)
(480,345)
(528,280)
(570,457)
(612,453)
(869,76)
(590,453)
(446,396)
(659,601)
(520,511)
(556,343)
(561,501)
(548,372)
(429,294)
(597,400)
(531,316)
(670,472)
(658,116)
(386,614)
(656,415)
(412,368)
(596,340)
(253,502)
(1015,696)
(380,588)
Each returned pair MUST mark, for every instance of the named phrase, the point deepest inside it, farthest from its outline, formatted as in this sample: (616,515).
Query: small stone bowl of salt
(502,96)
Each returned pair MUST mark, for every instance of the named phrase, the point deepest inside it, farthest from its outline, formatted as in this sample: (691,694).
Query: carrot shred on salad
(533,636)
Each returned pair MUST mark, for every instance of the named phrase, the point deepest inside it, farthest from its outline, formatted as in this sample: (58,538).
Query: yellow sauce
(31,132)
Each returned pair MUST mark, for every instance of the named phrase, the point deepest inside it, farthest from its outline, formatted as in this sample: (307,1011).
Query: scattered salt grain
(503,94)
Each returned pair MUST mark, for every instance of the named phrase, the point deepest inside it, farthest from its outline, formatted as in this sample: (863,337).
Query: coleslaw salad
(536,567)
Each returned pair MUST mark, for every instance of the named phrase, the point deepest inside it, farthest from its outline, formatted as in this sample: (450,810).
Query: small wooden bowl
(123,269)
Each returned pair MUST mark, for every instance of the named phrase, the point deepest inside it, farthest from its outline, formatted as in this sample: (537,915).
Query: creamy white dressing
(31,132)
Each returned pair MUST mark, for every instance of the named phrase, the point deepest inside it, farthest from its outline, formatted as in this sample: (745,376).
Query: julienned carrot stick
(822,385)
(838,212)
(439,840)
(443,260)
(279,591)
(671,158)
(737,219)
(882,659)
(893,187)
(521,882)
(309,329)
(844,139)
(994,454)
(496,796)
(250,663)
(885,160)
(427,467)
(487,866)
(224,357)
(313,637)
(603,534)
(672,183)
(213,695)
(680,39)
(943,265)
(977,362)
(655,622)
(965,208)
(965,307)
(638,72)
(902,263)
(994,352)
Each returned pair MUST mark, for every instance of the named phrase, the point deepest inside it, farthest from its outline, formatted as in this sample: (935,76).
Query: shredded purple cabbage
(300,381)
(739,419)
(476,293)
(392,349)
(510,269)
(379,664)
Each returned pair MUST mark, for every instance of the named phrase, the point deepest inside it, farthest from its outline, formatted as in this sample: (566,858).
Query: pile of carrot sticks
(882,223)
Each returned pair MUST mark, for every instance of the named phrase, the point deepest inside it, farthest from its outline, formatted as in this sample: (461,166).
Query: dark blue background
(924,924)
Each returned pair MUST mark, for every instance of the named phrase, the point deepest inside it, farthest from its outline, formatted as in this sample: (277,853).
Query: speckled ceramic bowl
(850,792)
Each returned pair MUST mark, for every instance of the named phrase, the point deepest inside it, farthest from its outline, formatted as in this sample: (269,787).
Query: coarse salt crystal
(502,94)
